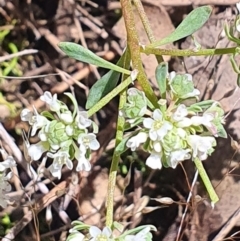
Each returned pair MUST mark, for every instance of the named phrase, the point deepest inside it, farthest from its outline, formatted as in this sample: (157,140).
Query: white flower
(98,235)
(238,7)
(201,145)
(9,162)
(83,162)
(171,76)
(59,159)
(206,120)
(179,116)
(158,126)
(43,136)
(75,235)
(176,156)
(27,115)
(135,141)
(35,151)
(34,119)
(88,141)
(69,130)
(141,236)
(67,117)
(157,147)
(4,188)
(82,120)
(154,161)
(51,101)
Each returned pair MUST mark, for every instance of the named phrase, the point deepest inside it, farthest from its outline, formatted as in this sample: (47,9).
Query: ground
(37,26)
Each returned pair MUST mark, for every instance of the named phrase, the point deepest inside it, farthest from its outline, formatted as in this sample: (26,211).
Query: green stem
(207,183)
(110,96)
(115,162)
(116,157)
(146,25)
(188,52)
(133,44)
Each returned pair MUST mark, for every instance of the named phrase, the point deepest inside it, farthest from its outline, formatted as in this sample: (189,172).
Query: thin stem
(189,52)
(133,44)
(116,157)
(207,183)
(146,25)
(110,96)
(115,162)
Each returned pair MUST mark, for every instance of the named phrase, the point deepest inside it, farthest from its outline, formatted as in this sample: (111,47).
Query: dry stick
(58,88)
(42,203)
(228,226)
(186,208)
(146,25)
(86,14)
(19,158)
(21,53)
(84,44)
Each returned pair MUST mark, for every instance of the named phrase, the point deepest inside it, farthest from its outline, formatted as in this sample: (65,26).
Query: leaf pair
(108,82)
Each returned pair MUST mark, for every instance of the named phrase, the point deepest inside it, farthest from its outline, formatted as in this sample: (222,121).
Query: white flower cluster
(175,132)
(237,22)
(95,234)
(5,187)
(63,134)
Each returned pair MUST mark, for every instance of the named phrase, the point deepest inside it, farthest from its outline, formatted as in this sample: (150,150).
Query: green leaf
(181,86)
(221,131)
(106,84)
(118,226)
(121,147)
(74,101)
(80,53)
(48,115)
(111,95)
(136,105)
(161,77)
(238,80)
(194,21)
(203,104)
(194,109)
(128,126)
(102,87)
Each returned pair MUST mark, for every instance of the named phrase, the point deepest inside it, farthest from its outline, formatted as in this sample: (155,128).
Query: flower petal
(157,146)
(154,161)
(157,115)
(148,122)
(35,151)
(94,231)
(107,232)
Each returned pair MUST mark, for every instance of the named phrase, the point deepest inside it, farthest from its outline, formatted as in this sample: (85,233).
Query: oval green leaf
(161,77)
(107,83)
(194,21)
(80,53)
(102,87)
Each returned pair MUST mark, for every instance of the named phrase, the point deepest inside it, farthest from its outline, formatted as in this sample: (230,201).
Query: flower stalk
(134,47)
(207,183)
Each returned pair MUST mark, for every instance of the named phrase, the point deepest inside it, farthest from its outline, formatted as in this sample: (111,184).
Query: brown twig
(21,53)
(42,203)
